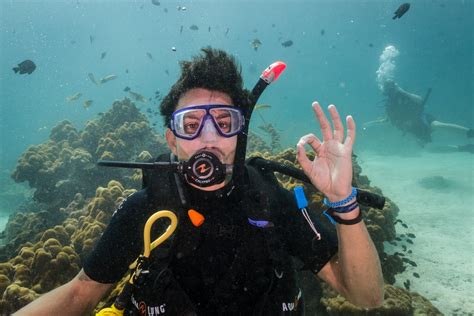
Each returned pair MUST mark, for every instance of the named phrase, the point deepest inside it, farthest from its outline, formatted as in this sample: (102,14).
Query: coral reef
(396,302)
(53,257)
(65,164)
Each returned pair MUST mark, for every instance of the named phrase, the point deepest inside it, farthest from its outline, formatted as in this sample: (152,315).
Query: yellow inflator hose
(147,248)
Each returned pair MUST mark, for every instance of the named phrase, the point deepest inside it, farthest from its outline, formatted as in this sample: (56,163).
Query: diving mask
(187,123)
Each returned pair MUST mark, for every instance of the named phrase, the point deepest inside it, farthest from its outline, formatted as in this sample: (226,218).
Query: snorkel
(268,76)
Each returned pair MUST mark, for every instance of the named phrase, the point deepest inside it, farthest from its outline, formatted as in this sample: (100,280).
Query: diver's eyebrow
(193,115)
(222,115)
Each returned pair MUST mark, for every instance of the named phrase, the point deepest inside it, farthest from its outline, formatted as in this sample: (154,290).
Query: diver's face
(209,139)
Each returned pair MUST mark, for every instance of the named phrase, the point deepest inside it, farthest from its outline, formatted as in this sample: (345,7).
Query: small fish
(91,39)
(87,104)
(126,71)
(398,239)
(287,43)
(409,241)
(371,45)
(102,56)
(149,55)
(25,67)
(194,27)
(91,77)
(256,44)
(404,248)
(173,48)
(404,225)
(262,106)
(273,24)
(155,2)
(410,235)
(416,275)
(322,32)
(401,10)
(126,89)
(410,262)
(406,284)
(73,97)
(181,29)
(165,10)
(226,31)
(167,72)
(209,29)
(107,78)
(138,96)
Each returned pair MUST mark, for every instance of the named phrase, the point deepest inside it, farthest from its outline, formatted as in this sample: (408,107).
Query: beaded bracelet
(347,208)
(340,203)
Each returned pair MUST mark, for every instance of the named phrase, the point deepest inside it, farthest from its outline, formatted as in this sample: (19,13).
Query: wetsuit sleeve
(301,239)
(121,242)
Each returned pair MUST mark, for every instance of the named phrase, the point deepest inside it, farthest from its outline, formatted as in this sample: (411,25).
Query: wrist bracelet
(336,219)
(340,203)
(347,208)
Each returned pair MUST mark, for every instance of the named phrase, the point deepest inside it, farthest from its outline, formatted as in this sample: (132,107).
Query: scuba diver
(406,111)
(238,229)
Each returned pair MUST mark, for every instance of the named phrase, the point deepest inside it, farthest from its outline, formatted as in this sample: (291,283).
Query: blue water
(435,40)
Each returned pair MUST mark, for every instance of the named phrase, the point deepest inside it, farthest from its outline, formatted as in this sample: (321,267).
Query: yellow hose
(147,248)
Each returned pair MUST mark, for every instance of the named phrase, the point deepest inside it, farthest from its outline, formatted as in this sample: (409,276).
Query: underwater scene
(82,81)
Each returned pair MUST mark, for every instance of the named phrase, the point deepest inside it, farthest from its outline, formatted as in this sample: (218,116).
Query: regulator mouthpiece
(204,169)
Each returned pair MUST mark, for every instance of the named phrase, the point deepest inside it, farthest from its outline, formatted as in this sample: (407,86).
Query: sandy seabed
(435,194)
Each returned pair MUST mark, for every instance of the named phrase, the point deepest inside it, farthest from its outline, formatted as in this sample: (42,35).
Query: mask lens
(227,120)
(187,123)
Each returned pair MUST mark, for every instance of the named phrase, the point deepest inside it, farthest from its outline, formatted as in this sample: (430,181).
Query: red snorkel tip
(272,72)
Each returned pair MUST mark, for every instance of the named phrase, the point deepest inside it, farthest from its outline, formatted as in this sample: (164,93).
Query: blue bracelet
(346,209)
(340,203)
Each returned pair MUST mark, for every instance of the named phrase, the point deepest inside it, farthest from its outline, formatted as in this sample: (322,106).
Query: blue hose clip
(301,200)
(302,203)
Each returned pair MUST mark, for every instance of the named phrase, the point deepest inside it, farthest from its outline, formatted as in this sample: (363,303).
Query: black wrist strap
(339,220)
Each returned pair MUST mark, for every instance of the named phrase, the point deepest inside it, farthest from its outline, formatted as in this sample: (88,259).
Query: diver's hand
(331,170)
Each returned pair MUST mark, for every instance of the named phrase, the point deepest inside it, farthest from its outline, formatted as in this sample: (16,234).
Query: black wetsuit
(225,232)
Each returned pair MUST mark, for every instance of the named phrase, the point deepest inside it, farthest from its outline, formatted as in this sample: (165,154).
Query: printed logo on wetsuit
(291,306)
(145,310)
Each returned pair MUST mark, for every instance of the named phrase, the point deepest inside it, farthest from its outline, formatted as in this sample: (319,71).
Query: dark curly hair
(214,70)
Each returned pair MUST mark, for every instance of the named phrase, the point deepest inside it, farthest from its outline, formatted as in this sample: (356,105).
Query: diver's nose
(209,132)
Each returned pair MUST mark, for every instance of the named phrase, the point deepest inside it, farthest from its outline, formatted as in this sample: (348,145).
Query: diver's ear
(171,140)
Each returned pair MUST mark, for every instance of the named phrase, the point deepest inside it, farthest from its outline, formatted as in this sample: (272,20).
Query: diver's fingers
(336,121)
(323,121)
(303,159)
(351,131)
